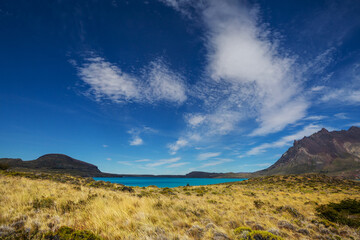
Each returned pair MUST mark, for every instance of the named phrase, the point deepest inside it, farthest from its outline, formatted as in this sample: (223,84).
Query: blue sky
(173,86)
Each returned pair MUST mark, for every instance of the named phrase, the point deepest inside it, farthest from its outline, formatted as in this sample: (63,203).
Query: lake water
(167,182)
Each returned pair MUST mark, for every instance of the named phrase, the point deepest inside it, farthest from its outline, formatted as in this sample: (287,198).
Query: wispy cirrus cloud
(156,83)
(315,117)
(143,160)
(345,95)
(284,141)
(175,165)
(136,140)
(247,74)
(163,162)
(180,143)
(237,41)
(216,162)
(205,156)
(128,163)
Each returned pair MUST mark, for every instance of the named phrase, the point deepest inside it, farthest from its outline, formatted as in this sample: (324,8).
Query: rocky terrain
(333,153)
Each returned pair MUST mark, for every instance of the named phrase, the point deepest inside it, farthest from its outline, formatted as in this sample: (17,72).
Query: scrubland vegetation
(43,206)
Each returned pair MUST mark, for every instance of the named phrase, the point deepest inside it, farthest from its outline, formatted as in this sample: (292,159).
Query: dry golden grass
(155,213)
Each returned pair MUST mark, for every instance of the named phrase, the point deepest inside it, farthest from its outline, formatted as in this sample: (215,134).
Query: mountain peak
(323,130)
(354,129)
(336,152)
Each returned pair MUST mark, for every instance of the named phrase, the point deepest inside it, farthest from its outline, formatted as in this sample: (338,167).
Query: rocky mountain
(333,153)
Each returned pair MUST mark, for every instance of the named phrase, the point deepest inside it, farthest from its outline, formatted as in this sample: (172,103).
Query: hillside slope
(332,153)
(57,163)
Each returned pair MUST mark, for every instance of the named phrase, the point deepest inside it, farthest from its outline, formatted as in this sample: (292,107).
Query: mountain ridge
(332,153)
(335,153)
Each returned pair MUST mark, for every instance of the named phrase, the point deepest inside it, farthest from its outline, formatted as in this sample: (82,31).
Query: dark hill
(57,163)
(198,174)
(332,153)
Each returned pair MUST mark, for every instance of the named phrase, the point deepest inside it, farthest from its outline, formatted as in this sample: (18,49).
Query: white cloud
(108,81)
(180,143)
(205,156)
(165,84)
(217,162)
(136,141)
(125,163)
(108,159)
(135,135)
(317,88)
(341,116)
(143,160)
(284,141)
(353,124)
(179,5)
(241,54)
(247,74)
(275,120)
(163,162)
(222,121)
(315,117)
(177,164)
(344,95)
(320,63)
(195,119)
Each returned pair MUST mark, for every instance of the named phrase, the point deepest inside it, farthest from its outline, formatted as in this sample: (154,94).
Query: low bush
(3,166)
(262,235)
(258,204)
(346,212)
(240,230)
(246,233)
(67,233)
(43,203)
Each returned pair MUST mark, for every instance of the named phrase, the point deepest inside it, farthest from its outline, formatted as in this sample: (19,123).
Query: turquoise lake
(167,182)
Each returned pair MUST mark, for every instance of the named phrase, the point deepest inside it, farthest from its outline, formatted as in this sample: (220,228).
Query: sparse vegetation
(43,206)
(346,212)
(4,166)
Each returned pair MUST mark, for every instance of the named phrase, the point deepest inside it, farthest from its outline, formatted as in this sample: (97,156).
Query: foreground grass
(271,207)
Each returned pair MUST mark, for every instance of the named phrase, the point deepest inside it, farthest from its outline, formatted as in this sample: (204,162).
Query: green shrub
(167,191)
(262,235)
(43,203)
(247,233)
(67,233)
(69,206)
(292,211)
(3,166)
(240,230)
(258,204)
(347,212)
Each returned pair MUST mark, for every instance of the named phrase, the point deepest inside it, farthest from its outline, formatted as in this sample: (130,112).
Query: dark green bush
(258,204)
(69,206)
(246,233)
(346,212)
(3,166)
(262,235)
(43,203)
(67,233)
